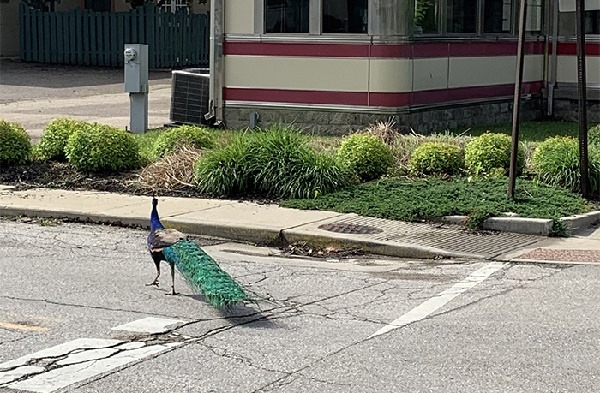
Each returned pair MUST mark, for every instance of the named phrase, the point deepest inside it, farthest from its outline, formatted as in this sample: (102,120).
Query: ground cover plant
(425,199)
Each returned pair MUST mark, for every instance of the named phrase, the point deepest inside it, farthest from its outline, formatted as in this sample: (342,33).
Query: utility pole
(584,178)
(512,173)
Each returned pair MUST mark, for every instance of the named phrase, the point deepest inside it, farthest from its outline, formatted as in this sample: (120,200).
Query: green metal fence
(84,37)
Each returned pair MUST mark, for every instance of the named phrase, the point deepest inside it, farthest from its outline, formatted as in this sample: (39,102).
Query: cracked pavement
(525,328)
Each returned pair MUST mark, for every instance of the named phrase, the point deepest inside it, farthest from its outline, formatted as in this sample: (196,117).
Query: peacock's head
(154,201)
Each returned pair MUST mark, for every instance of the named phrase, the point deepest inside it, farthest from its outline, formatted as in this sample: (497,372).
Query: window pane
(534,15)
(497,16)
(426,17)
(462,16)
(345,16)
(592,22)
(286,16)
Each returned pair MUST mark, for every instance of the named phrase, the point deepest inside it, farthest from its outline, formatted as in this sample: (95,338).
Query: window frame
(315,25)
(479,23)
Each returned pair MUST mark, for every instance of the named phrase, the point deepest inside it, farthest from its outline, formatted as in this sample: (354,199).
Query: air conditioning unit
(189,95)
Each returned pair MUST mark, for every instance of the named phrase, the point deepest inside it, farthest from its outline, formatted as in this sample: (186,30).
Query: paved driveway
(33,94)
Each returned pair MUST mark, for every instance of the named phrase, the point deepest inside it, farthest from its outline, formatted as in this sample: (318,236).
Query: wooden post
(512,173)
(584,179)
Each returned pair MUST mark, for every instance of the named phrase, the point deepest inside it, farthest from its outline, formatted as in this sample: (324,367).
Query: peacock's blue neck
(155,220)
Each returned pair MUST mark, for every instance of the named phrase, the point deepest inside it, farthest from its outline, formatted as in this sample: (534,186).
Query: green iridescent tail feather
(204,275)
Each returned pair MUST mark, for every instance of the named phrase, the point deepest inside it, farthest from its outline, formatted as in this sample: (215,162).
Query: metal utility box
(136,68)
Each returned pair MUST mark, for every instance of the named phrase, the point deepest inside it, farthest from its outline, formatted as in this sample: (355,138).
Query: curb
(530,226)
(267,236)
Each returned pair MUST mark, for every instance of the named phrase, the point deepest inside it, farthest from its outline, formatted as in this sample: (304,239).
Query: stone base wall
(568,109)
(423,121)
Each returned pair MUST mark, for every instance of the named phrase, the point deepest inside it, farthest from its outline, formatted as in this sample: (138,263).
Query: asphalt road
(461,326)
(33,94)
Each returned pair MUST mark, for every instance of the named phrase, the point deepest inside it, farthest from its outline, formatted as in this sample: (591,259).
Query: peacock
(202,272)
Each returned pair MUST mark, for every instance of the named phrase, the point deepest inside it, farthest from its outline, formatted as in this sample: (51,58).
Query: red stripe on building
(570,49)
(296,96)
(358,50)
(377,99)
(246,48)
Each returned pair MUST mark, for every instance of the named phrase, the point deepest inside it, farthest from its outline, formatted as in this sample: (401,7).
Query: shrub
(436,158)
(15,144)
(55,137)
(276,163)
(366,155)
(100,147)
(223,172)
(169,140)
(490,152)
(555,162)
(594,135)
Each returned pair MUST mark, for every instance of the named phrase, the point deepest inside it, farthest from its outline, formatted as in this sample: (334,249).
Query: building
(335,65)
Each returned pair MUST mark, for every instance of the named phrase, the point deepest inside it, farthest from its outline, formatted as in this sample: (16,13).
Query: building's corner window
(497,16)
(286,16)
(534,16)
(426,17)
(461,16)
(345,16)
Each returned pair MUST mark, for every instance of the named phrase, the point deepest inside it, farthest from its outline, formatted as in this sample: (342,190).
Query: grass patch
(535,131)
(425,199)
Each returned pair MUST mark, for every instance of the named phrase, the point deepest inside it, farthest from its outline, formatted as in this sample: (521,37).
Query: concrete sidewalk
(271,224)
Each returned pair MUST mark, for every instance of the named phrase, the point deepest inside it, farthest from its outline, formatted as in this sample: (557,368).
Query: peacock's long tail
(204,275)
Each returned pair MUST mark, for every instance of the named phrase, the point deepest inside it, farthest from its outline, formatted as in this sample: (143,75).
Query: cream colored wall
(430,74)
(9,30)
(390,75)
(376,75)
(481,71)
(566,67)
(297,73)
(239,17)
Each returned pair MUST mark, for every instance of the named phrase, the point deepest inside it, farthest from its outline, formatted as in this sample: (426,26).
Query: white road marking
(150,325)
(435,303)
(64,376)
(62,365)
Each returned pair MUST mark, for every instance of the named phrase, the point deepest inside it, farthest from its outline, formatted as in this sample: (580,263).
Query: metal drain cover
(355,229)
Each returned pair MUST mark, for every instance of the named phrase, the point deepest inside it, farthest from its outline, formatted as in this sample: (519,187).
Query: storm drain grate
(354,229)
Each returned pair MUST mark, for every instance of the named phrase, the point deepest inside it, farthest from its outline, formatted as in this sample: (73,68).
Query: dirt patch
(61,175)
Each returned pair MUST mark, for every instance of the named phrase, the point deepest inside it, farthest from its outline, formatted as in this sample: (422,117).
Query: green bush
(276,163)
(594,135)
(55,137)
(100,147)
(197,137)
(555,162)
(224,172)
(15,144)
(366,155)
(488,153)
(436,158)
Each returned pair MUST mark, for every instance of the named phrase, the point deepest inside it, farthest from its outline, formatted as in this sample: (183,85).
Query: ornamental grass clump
(275,163)
(15,144)
(55,137)
(490,153)
(436,158)
(102,148)
(191,136)
(365,155)
(555,162)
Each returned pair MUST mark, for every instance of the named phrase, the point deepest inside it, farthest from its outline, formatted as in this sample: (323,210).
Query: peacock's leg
(155,282)
(173,280)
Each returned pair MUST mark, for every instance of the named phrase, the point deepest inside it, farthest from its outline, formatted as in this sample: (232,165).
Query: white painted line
(150,325)
(19,372)
(61,350)
(435,303)
(64,376)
